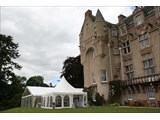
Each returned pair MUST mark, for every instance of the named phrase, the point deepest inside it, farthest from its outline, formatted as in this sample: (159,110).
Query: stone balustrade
(142,80)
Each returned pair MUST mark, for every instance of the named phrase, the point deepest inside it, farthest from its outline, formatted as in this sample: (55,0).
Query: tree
(36,81)
(9,85)
(15,92)
(8,51)
(10,94)
(73,71)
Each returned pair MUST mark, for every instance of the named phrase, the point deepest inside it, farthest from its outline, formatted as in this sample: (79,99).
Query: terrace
(142,80)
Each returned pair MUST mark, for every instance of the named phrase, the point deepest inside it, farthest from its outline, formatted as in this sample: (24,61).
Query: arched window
(91,53)
(44,100)
(58,101)
(48,101)
(28,101)
(66,101)
(51,99)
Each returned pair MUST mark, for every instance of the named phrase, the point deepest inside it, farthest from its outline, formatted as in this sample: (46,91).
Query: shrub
(99,99)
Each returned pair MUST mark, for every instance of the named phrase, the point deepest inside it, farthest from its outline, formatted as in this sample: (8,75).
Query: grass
(98,109)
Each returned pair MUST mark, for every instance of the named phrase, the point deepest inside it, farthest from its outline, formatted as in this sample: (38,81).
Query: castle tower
(95,52)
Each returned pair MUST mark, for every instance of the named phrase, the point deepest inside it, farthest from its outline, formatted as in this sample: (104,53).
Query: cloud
(48,35)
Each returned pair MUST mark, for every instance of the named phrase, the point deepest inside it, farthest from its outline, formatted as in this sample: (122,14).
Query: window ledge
(103,82)
(146,50)
(94,84)
(130,98)
(127,56)
(151,98)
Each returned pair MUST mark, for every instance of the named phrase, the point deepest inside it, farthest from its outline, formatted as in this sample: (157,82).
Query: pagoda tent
(63,95)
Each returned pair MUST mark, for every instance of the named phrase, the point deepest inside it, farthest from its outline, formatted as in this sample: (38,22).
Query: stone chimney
(88,13)
(121,18)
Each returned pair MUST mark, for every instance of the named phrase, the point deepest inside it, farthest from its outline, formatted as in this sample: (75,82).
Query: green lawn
(98,109)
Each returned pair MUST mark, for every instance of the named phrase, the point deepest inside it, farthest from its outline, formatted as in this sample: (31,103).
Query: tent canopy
(62,87)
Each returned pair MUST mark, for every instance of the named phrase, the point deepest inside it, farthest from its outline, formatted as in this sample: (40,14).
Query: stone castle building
(128,51)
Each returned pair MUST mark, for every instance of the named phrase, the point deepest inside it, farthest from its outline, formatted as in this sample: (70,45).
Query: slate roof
(99,16)
(148,10)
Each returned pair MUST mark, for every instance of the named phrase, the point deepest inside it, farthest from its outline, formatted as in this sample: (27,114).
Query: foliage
(8,51)
(114,90)
(11,93)
(11,86)
(89,91)
(95,109)
(15,101)
(73,71)
(36,81)
(99,99)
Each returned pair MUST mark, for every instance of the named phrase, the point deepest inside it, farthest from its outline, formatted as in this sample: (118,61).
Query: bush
(99,99)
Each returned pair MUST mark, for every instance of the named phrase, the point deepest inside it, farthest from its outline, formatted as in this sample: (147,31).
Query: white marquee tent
(63,95)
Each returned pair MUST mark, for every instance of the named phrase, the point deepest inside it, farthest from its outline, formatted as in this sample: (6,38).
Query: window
(148,64)
(138,20)
(116,51)
(103,75)
(114,32)
(44,101)
(130,95)
(126,47)
(58,101)
(48,101)
(104,28)
(123,30)
(93,78)
(95,31)
(91,53)
(51,99)
(151,94)
(129,69)
(144,40)
(66,101)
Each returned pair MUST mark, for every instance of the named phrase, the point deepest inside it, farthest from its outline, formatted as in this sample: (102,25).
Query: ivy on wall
(114,91)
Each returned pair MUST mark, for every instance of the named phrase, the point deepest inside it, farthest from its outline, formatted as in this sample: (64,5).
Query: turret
(99,16)
(100,27)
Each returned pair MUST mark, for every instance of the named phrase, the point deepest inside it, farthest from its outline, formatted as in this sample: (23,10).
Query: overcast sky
(48,35)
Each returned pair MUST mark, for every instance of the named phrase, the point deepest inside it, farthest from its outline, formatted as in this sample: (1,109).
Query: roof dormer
(138,16)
